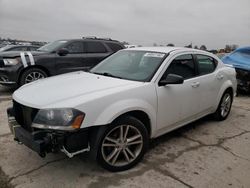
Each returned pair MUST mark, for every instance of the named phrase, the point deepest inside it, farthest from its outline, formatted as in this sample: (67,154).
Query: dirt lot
(202,154)
(5,92)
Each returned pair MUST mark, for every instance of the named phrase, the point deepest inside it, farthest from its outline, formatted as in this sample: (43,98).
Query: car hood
(64,87)
(14,54)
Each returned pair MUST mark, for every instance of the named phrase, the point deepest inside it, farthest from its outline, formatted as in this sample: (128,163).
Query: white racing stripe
(5,62)
(32,61)
(23,59)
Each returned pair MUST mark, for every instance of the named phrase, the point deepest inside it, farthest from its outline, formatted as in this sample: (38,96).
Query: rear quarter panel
(229,81)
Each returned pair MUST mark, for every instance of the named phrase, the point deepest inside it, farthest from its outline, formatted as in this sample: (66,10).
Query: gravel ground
(205,153)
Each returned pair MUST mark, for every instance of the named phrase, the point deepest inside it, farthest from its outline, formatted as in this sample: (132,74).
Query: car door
(210,81)
(178,103)
(72,61)
(94,53)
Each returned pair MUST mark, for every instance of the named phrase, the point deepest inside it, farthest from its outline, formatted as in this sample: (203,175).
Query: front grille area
(24,115)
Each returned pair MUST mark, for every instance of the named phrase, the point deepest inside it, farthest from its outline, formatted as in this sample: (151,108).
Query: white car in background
(112,111)
(131,45)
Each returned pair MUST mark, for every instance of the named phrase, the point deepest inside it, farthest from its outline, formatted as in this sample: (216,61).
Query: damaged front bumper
(47,141)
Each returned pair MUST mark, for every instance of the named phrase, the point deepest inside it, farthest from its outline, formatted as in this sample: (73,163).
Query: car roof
(165,49)
(168,50)
(91,39)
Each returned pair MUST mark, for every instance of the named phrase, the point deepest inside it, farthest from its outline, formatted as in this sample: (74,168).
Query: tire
(31,75)
(224,107)
(119,153)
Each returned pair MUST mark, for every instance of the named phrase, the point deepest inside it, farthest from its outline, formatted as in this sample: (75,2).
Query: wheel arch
(230,89)
(141,116)
(96,132)
(137,108)
(226,87)
(30,67)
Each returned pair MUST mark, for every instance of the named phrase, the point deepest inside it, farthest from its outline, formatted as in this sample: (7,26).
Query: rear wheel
(123,144)
(32,75)
(224,107)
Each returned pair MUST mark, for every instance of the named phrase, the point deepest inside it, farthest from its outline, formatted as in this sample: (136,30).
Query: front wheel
(224,107)
(32,75)
(123,144)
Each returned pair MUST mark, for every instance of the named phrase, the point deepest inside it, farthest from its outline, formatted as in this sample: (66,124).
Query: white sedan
(130,97)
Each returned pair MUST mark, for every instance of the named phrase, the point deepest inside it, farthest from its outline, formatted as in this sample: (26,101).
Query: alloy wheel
(33,76)
(225,105)
(122,145)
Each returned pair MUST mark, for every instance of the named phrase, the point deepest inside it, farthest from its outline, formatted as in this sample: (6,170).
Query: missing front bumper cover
(70,155)
(46,141)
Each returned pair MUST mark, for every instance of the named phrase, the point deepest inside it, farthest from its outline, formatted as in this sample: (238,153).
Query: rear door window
(75,47)
(114,47)
(206,64)
(94,47)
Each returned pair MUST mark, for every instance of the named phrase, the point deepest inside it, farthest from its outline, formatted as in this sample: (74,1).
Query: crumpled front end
(44,141)
(243,79)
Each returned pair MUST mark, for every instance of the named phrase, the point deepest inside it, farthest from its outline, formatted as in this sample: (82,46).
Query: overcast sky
(210,22)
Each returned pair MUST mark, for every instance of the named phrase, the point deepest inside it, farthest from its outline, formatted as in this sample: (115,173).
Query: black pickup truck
(58,57)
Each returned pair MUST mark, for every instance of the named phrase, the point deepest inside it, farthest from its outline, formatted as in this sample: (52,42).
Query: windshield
(52,46)
(131,65)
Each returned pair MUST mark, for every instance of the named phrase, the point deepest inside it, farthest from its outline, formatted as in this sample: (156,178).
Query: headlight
(10,62)
(58,119)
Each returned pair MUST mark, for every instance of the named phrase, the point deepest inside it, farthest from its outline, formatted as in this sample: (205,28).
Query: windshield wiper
(106,74)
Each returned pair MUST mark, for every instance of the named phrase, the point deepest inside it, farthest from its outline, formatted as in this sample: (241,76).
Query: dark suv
(61,56)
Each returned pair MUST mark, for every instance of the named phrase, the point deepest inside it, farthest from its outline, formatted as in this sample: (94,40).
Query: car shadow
(156,142)
(178,133)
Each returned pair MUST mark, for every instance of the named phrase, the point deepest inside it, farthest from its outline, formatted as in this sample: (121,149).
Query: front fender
(119,108)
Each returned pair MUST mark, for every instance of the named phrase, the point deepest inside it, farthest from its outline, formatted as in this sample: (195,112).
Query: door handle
(220,77)
(195,84)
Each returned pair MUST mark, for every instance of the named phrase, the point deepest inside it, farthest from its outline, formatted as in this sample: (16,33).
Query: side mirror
(62,52)
(171,79)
